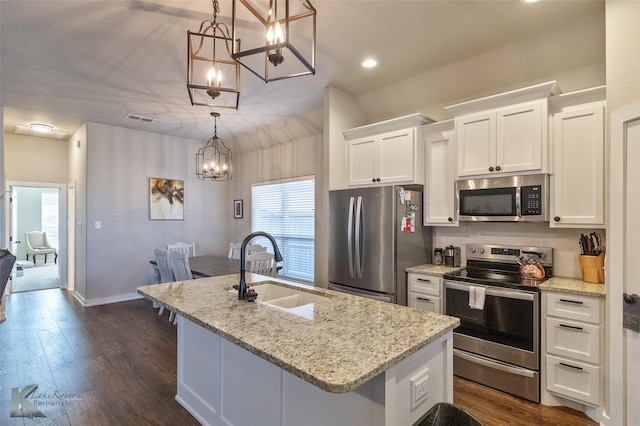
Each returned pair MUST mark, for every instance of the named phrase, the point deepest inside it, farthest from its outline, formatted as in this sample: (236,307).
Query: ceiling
(67,62)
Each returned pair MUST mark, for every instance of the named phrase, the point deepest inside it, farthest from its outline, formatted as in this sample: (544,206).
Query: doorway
(38,207)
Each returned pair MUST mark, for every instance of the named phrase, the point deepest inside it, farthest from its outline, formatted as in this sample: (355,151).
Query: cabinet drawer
(427,284)
(574,340)
(424,302)
(571,306)
(575,380)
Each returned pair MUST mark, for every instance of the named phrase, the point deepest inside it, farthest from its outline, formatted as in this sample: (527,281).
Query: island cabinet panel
(221,383)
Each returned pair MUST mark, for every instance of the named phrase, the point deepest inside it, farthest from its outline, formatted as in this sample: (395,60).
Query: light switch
(98,224)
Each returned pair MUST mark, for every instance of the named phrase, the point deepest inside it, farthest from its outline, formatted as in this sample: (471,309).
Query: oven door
(506,329)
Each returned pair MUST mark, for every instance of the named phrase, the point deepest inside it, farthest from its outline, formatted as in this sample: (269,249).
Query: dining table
(211,266)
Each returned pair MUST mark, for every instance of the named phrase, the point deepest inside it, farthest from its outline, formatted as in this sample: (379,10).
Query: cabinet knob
(450,219)
(557,218)
(497,168)
(377,179)
(491,168)
(373,180)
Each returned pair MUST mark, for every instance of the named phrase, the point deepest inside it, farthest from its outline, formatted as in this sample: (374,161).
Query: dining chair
(234,249)
(262,263)
(188,248)
(181,271)
(166,273)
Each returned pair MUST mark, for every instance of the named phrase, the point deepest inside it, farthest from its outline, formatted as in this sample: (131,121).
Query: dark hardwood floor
(116,365)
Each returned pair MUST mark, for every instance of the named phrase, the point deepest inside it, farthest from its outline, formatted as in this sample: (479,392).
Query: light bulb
(270,35)
(224,167)
(279,36)
(213,77)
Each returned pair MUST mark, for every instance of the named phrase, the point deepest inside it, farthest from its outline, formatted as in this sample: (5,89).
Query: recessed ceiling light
(41,128)
(529,1)
(369,63)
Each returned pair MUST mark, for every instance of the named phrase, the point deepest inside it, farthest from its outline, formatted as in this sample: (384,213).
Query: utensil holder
(592,268)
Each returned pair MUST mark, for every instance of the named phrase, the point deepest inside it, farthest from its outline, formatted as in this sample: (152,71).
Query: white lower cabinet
(425,292)
(573,347)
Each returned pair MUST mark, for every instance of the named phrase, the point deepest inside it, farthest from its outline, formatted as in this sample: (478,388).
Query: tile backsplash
(563,241)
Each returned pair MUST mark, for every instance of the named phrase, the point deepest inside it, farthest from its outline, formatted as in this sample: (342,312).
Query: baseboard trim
(87,303)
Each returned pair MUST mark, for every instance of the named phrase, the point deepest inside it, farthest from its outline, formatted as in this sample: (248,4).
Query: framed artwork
(237,209)
(166,199)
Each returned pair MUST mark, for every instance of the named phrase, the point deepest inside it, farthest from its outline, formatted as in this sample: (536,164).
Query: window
(286,210)
(50,216)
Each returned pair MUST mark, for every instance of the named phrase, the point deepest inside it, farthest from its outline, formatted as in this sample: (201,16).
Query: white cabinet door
(578,176)
(519,138)
(439,195)
(397,156)
(506,140)
(475,137)
(362,159)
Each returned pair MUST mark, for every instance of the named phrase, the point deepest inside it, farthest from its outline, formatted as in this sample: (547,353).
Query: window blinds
(286,210)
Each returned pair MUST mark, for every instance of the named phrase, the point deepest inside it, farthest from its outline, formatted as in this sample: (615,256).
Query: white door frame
(618,410)
(63,259)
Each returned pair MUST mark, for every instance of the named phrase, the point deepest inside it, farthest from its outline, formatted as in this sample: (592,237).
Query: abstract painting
(166,199)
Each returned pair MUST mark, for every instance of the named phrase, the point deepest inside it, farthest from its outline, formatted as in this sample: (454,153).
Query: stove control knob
(481,251)
(472,249)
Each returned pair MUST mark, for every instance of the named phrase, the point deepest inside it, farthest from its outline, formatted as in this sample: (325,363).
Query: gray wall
(119,164)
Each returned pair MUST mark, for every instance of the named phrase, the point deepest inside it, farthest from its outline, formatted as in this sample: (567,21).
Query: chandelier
(213,160)
(278,37)
(213,75)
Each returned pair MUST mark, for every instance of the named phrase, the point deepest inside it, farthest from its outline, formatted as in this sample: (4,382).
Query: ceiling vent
(53,134)
(141,118)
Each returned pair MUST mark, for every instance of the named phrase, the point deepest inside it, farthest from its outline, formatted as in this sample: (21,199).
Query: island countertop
(348,341)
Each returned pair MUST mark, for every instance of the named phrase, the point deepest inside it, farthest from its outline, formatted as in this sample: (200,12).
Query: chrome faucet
(242,287)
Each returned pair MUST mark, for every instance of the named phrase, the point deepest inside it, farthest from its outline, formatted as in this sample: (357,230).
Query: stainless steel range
(498,340)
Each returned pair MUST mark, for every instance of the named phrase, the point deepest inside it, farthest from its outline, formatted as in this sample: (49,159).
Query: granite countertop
(348,341)
(573,286)
(430,269)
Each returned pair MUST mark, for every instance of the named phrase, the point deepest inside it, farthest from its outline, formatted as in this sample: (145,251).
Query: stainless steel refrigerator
(374,234)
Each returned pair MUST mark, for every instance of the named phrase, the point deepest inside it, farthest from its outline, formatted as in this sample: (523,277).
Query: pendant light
(278,37)
(214,160)
(213,76)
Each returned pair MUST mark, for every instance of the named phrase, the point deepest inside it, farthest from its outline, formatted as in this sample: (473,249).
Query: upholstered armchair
(37,244)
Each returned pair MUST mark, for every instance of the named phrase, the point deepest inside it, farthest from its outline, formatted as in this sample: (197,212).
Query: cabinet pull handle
(571,366)
(498,168)
(423,299)
(557,218)
(424,280)
(450,219)
(571,326)
(575,302)
(491,168)
(373,180)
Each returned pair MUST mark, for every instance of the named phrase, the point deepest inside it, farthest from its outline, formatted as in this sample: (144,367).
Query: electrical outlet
(419,389)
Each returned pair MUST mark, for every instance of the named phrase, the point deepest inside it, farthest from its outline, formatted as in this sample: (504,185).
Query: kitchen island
(340,360)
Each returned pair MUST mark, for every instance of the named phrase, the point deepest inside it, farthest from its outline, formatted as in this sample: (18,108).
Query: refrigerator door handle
(359,236)
(350,236)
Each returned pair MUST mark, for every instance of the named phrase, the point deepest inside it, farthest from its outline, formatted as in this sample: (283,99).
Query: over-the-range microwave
(504,199)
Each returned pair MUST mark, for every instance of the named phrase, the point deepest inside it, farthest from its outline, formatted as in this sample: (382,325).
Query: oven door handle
(493,291)
(496,365)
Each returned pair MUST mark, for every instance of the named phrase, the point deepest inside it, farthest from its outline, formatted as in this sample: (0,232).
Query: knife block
(592,268)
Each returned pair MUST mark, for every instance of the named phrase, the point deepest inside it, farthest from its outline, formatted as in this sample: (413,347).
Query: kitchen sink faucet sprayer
(242,287)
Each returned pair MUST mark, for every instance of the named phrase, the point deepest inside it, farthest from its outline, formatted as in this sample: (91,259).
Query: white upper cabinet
(504,134)
(390,152)
(577,183)
(439,182)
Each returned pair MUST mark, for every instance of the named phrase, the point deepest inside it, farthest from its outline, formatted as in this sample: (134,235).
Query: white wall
(35,159)
(119,164)
(77,152)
